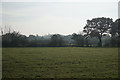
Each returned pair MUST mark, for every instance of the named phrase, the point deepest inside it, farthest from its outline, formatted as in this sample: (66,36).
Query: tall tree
(97,27)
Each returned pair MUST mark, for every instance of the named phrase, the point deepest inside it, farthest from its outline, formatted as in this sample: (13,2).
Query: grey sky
(54,17)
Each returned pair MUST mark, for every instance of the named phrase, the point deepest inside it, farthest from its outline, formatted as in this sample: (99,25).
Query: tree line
(98,32)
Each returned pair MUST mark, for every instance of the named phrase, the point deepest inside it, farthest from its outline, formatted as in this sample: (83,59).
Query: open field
(60,62)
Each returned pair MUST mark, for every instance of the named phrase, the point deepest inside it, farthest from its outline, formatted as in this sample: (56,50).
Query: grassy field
(60,62)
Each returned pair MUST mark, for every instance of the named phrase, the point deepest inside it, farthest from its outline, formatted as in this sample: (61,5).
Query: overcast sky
(55,17)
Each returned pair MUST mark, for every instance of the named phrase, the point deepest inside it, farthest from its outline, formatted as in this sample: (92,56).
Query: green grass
(60,62)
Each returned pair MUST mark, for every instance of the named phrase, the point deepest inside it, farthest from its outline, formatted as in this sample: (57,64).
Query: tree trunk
(100,42)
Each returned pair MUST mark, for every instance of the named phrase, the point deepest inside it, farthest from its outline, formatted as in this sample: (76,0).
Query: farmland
(60,62)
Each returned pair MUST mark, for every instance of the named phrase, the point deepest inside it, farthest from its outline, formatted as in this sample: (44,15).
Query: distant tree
(97,27)
(56,40)
(33,41)
(11,39)
(115,33)
(32,37)
(23,40)
(78,38)
(115,29)
(68,40)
